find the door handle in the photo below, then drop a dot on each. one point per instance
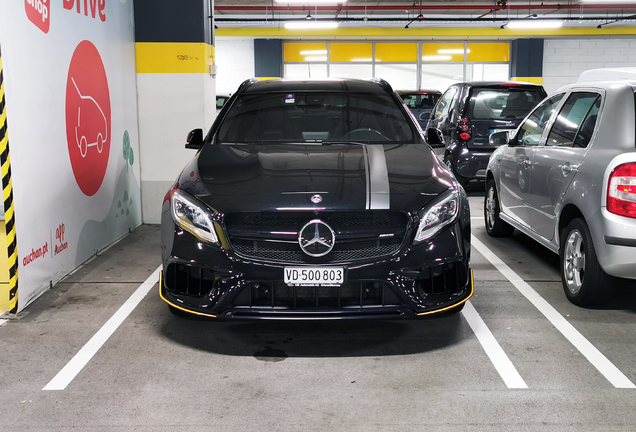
(567, 168)
(525, 162)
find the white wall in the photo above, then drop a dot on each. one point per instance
(565, 59)
(234, 62)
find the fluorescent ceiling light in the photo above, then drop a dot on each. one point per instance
(313, 52)
(311, 2)
(436, 58)
(534, 24)
(305, 25)
(361, 59)
(452, 51)
(316, 58)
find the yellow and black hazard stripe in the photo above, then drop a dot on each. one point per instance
(7, 187)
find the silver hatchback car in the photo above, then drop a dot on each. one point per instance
(567, 178)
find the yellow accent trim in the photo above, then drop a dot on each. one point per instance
(174, 305)
(533, 80)
(293, 51)
(472, 291)
(488, 52)
(347, 51)
(395, 52)
(416, 33)
(172, 57)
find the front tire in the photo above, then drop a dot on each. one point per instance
(495, 227)
(584, 281)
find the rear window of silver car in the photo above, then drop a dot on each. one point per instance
(505, 103)
(315, 116)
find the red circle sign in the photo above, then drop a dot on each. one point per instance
(88, 118)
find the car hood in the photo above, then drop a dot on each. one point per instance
(230, 178)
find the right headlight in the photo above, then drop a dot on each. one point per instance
(193, 217)
(442, 211)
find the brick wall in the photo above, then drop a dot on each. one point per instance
(234, 63)
(565, 59)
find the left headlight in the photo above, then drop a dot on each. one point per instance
(436, 215)
(193, 217)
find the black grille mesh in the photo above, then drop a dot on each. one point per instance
(291, 252)
(248, 234)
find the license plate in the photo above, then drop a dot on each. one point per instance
(321, 276)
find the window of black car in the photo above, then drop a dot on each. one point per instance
(574, 125)
(444, 103)
(505, 102)
(419, 100)
(531, 130)
(315, 117)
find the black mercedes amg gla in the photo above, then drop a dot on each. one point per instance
(314, 200)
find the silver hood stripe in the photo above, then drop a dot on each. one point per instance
(377, 173)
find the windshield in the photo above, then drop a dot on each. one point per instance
(315, 117)
(510, 103)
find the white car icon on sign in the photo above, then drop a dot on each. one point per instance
(91, 130)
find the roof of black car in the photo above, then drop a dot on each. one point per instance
(498, 83)
(327, 84)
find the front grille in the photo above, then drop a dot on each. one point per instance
(291, 252)
(273, 236)
(278, 295)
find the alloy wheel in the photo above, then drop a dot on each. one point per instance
(490, 207)
(574, 261)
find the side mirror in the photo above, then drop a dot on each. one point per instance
(499, 138)
(434, 137)
(195, 139)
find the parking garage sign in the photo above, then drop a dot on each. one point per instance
(88, 122)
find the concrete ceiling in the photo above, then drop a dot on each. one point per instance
(429, 13)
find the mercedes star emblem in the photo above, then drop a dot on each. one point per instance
(316, 238)
(316, 199)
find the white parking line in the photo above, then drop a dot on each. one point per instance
(497, 356)
(83, 356)
(594, 356)
(3, 322)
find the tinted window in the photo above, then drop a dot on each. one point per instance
(421, 100)
(443, 105)
(531, 130)
(312, 116)
(575, 123)
(502, 103)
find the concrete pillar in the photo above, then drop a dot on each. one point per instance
(526, 60)
(174, 43)
(268, 58)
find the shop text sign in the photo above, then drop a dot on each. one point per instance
(38, 12)
(91, 8)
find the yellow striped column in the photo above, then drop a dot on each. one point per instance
(7, 186)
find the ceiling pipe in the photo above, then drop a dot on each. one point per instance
(467, 8)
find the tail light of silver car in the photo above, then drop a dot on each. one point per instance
(621, 190)
(463, 127)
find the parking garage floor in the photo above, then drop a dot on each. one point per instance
(96, 353)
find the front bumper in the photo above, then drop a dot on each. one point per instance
(420, 280)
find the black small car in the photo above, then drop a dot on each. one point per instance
(420, 103)
(465, 116)
(314, 200)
